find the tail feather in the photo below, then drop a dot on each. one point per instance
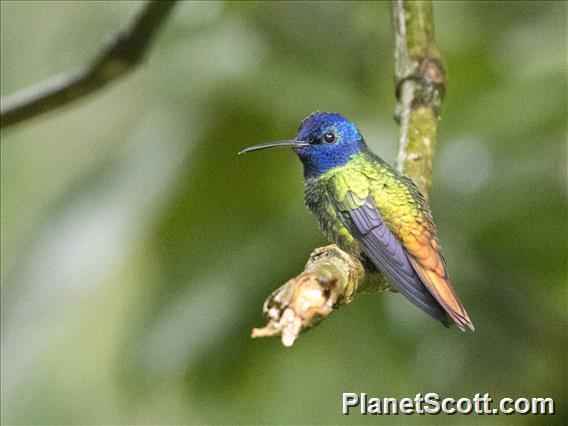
(442, 290)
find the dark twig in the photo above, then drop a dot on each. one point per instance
(122, 54)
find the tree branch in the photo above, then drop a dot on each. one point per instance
(419, 88)
(332, 277)
(125, 51)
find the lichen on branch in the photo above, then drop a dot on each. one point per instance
(420, 77)
(332, 277)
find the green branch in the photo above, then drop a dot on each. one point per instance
(332, 277)
(126, 50)
(420, 76)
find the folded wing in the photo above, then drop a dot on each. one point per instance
(386, 252)
(410, 258)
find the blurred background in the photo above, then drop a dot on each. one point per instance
(137, 248)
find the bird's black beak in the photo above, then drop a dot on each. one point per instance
(292, 143)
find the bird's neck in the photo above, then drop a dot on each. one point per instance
(324, 161)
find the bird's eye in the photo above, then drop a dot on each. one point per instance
(329, 137)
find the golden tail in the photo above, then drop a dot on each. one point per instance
(442, 290)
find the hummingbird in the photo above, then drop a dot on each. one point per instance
(373, 212)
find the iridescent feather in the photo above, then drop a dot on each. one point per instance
(370, 210)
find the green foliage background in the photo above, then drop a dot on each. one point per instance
(137, 248)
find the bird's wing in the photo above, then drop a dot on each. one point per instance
(360, 215)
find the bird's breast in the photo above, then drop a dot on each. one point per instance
(318, 200)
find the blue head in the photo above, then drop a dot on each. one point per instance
(324, 141)
(330, 140)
